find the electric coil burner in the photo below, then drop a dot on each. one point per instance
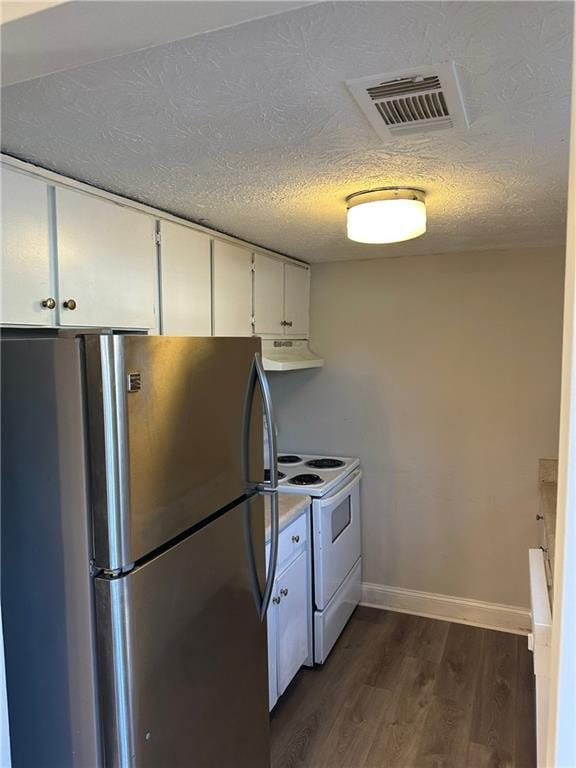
(289, 459)
(281, 475)
(325, 463)
(306, 479)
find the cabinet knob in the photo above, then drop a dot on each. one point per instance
(539, 517)
(275, 600)
(69, 304)
(284, 593)
(286, 323)
(49, 303)
(295, 539)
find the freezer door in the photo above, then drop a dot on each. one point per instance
(166, 437)
(182, 654)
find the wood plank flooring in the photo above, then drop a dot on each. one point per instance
(401, 691)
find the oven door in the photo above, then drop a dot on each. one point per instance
(337, 541)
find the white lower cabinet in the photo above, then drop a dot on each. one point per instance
(293, 610)
(290, 611)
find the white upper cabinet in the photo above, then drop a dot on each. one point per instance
(296, 301)
(26, 269)
(268, 295)
(232, 290)
(185, 281)
(107, 266)
(281, 298)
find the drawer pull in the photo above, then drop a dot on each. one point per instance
(295, 539)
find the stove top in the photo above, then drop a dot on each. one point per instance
(314, 475)
(306, 479)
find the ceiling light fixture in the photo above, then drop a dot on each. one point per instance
(386, 215)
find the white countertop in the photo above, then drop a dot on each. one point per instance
(290, 506)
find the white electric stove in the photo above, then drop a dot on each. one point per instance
(333, 482)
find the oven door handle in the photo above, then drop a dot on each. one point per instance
(337, 497)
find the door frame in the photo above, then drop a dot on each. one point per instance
(561, 751)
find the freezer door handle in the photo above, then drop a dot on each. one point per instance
(258, 376)
(262, 600)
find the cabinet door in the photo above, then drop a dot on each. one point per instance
(296, 300)
(185, 281)
(106, 263)
(268, 295)
(291, 587)
(26, 272)
(232, 290)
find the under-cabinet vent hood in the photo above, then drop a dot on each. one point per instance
(284, 355)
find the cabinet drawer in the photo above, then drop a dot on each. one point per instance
(292, 541)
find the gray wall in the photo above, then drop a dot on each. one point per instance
(443, 375)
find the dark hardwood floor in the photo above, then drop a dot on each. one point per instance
(401, 691)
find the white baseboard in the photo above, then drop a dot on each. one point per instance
(506, 618)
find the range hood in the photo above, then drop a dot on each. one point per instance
(288, 355)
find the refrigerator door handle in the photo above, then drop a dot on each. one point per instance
(274, 525)
(258, 376)
(254, 582)
(269, 488)
(262, 600)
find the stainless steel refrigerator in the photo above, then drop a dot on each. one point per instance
(134, 588)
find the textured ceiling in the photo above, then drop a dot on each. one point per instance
(46, 39)
(251, 130)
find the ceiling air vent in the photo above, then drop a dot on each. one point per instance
(411, 101)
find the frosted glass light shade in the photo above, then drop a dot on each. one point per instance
(386, 216)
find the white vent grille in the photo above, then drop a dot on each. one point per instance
(416, 101)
